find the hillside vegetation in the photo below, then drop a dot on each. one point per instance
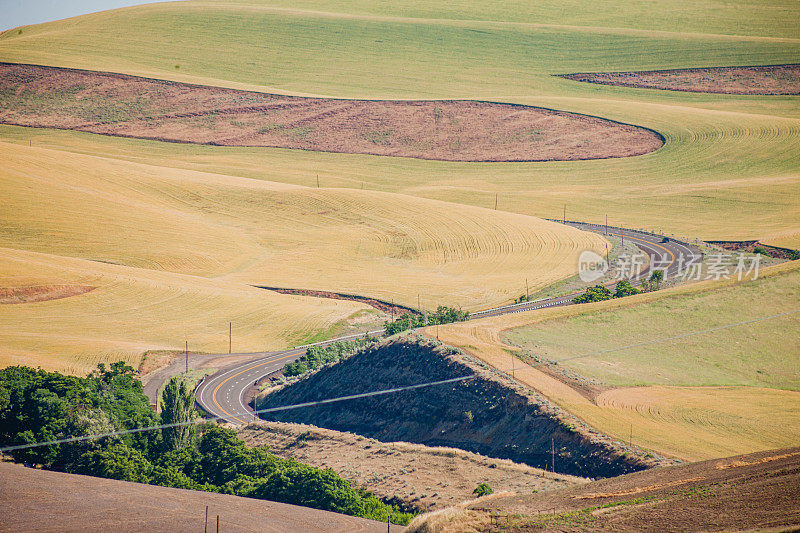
(728, 170)
(743, 411)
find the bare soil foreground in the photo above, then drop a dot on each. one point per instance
(39, 500)
(129, 106)
(749, 492)
(772, 79)
(421, 477)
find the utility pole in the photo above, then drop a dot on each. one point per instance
(217, 523)
(317, 181)
(205, 529)
(606, 224)
(230, 337)
(527, 292)
(495, 201)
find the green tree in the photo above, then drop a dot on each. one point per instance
(624, 288)
(177, 408)
(597, 293)
(117, 461)
(482, 490)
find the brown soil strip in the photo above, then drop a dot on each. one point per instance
(40, 293)
(750, 247)
(769, 80)
(738, 464)
(449, 130)
(386, 307)
(764, 493)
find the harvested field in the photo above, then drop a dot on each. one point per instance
(771, 79)
(422, 477)
(451, 130)
(39, 500)
(40, 293)
(752, 492)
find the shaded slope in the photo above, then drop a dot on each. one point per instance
(484, 415)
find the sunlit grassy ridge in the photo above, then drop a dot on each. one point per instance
(693, 421)
(762, 354)
(728, 170)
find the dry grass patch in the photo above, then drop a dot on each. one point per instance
(423, 477)
(40, 293)
(771, 79)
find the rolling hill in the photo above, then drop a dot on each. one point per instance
(711, 180)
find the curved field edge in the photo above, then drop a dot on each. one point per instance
(690, 423)
(744, 80)
(445, 130)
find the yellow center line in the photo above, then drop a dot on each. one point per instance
(214, 394)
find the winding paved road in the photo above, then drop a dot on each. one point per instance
(223, 394)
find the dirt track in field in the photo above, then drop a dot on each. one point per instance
(40, 293)
(450, 130)
(766, 80)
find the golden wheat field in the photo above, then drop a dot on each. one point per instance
(691, 422)
(388, 246)
(728, 169)
(176, 251)
(129, 310)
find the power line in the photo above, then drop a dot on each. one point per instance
(69, 440)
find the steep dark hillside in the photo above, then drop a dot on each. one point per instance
(487, 415)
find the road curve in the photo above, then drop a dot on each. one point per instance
(222, 394)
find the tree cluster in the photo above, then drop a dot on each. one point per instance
(442, 315)
(319, 356)
(38, 406)
(598, 293)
